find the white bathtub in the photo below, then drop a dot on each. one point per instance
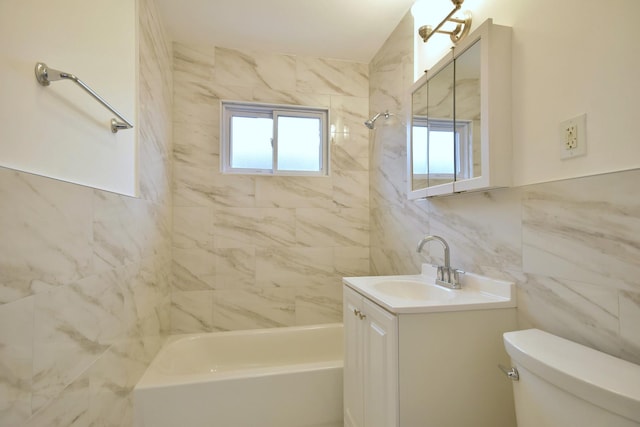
(280, 377)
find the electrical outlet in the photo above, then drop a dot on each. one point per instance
(573, 137)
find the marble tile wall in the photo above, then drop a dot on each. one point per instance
(84, 288)
(264, 251)
(572, 247)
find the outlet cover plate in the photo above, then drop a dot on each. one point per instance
(573, 137)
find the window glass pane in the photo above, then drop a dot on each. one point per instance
(251, 145)
(419, 144)
(299, 143)
(441, 152)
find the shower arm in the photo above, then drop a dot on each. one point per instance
(370, 123)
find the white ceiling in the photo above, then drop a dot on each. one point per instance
(341, 29)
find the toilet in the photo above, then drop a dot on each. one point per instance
(559, 383)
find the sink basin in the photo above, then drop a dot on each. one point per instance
(413, 289)
(418, 293)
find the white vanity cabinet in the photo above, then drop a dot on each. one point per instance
(429, 369)
(370, 363)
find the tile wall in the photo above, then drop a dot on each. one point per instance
(84, 289)
(572, 247)
(265, 251)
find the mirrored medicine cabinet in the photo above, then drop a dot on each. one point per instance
(459, 129)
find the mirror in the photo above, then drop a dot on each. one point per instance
(459, 128)
(440, 127)
(445, 141)
(468, 114)
(418, 162)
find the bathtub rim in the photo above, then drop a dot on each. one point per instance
(152, 378)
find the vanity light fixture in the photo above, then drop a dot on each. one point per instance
(463, 25)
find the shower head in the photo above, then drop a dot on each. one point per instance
(371, 122)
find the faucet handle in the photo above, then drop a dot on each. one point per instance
(455, 276)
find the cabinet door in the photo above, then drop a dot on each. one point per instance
(380, 367)
(353, 357)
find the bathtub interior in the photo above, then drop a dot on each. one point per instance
(264, 386)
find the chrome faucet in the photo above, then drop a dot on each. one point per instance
(446, 276)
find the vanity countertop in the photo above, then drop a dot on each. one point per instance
(419, 293)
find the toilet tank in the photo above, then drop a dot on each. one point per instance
(565, 384)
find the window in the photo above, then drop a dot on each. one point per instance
(436, 139)
(273, 139)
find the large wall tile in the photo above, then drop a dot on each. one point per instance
(189, 185)
(69, 409)
(584, 229)
(192, 268)
(46, 234)
(238, 227)
(192, 227)
(319, 304)
(294, 264)
(629, 321)
(235, 267)
(354, 144)
(351, 189)
(74, 325)
(328, 76)
(194, 63)
(16, 356)
(581, 312)
(348, 112)
(299, 192)
(482, 229)
(110, 379)
(272, 96)
(191, 311)
(255, 69)
(121, 229)
(351, 261)
(339, 227)
(254, 308)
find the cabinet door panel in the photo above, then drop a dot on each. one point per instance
(380, 367)
(468, 114)
(353, 370)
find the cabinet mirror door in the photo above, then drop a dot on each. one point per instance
(441, 128)
(418, 141)
(468, 115)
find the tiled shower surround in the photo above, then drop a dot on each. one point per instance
(84, 288)
(265, 251)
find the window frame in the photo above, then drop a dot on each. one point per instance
(463, 156)
(230, 109)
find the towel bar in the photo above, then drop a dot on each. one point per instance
(46, 75)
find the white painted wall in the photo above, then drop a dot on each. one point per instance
(569, 57)
(59, 131)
